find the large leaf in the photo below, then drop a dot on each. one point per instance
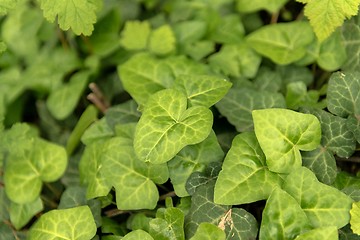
(73, 224)
(282, 134)
(283, 43)
(244, 177)
(166, 126)
(282, 217)
(133, 179)
(238, 104)
(168, 227)
(326, 15)
(323, 205)
(25, 171)
(79, 15)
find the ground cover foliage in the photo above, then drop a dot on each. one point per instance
(203, 119)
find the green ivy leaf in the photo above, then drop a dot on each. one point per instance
(203, 90)
(238, 104)
(4, 205)
(283, 43)
(138, 234)
(73, 224)
(244, 177)
(122, 113)
(7, 5)
(21, 214)
(271, 6)
(298, 96)
(323, 205)
(278, 217)
(133, 179)
(282, 133)
(319, 11)
(355, 217)
(162, 40)
(230, 30)
(330, 233)
(350, 34)
(166, 126)
(268, 80)
(208, 231)
(135, 35)
(169, 226)
(193, 158)
(25, 171)
(98, 130)
(189, 31)
(64, 100)
(80, 17)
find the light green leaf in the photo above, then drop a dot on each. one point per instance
(343, 95)
(4, 205)
(238, 104)
(253, 6)
(319, 12)
(133, 179)
(25, 171)
(170, 227)
(329, 233)
(323, 205)
(193, 158)
(282, 217)
(135, 35)
(283, 43)
(297, 96)
(79, 15)
(199, 50)
(282, 133)
(230, 30)
(63, 101)
(202, 90)
(7, 5)
(162, 40)
(21, 214)
(355, 217)
(138, 221)
(189, 31)
(244, 177)
(98, 130)
(166, 126)
(137, 234)
(208, 231)
(73, 224)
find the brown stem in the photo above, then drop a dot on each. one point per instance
(274, 17)
(169, 194)
(98, 98)
(115, 212)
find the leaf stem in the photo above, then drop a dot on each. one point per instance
(115, 212)
(169, 194)
(98, 98)
(274, 17)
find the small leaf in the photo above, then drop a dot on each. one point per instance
(329, 233)
(135, 35)
(230, 30)
(166, 126)
(123, 113)
(73, 224)
(21, 214)
(80, 17)
(208, 231)
(282, 133)
(253, 6)
(171, 226)
(137, 234)
(239, 224)
(278, 218)
(162, 40)
(238, 104)
(283, 43)
(323, 205)
(355, 217)
(7, 5)
(203, 90)
(98, 130)
(244, 177)
(350, 35)
(298, 96)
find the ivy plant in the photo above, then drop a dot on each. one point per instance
(174, 120)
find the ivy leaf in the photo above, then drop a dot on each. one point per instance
(122, 113)
(239, 224)
(350, 34)
(169, 226)
(189, 31)
(298, 96)
(7, 5)
(330, 233)
(230, 30)
(166, 126)
(244, 177)
(133, 179)
(135, 35)
(137, 234)
(202, 90)
(278, 217)
(282, 133)
(271, 6)
(79, 15)
(162, 40)
(193, 158)
(4, 205)
(97, 131)
(63, 101)
(238, 104)
(208, 231)
(318, 13)
(73, 224)
(283, 43)
(323, 205)
(21, 214)
(25, 171)
(355, 217)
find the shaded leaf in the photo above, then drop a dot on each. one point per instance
(271, 6)
(170, 226)
(21, 214)
(350, 34)
(239, 224)
(123, 113)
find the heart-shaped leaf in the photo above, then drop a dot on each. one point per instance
(166, 126)
(244, 177)
(323, 205)
(282, 133)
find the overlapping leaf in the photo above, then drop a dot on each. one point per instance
(355, 217)
(123, 113)
(351, 35)
(166, 126)
(169, 226)
(21, 214)
(244, 177)
(330, 233)
(271, 6)
(162, 40)
(135, 35)
(7, 5)
(282, 134)
(208, 231)
(137, 234)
